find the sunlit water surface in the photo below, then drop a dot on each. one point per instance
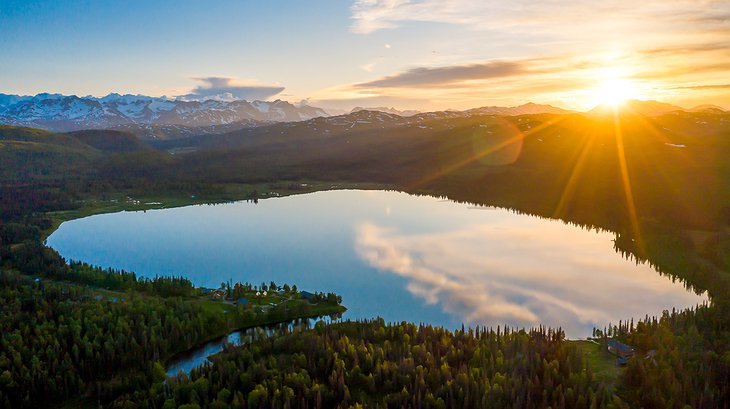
(389, 254)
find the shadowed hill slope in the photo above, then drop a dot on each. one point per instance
(109, 141)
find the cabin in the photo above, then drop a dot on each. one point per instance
(622, 351)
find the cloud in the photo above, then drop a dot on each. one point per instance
(222, 88)
(372, 15)
(710, 86)
(434, 286)
(437, 76)
(662, 44)
(345, 104)
(478, 274)
(687, 49)
(369, 67)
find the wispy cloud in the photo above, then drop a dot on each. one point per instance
(223, 88)
(691, 48)
(369, 67)
(555, 51)
(469, 85)
(373, 15)
(423, 76)
(709, 86)
(349, 101)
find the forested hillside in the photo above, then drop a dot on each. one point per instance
(78, 333)
(634, 175)
(372, 364)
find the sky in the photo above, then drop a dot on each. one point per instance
(408, 54)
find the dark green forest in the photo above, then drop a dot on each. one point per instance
(78, 333)
(668, 206)
(373, 364)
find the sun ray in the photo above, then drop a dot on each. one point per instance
(626, 183)
(575, 173)
(614, 90)
(649, 128)
(457, 165)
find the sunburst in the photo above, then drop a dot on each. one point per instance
(614, 92)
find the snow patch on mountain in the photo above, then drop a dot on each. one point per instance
(57, 112)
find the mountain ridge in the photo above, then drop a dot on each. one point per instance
(161, 118)
(65, 113)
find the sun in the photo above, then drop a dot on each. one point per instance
(614, 92)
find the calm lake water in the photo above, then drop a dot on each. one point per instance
(186, 361)
(389, 254)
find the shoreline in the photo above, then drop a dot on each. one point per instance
(217, 338)
(127, 200)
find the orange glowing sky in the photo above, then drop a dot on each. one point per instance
(418, 54)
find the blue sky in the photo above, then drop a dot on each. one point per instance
(423, 54)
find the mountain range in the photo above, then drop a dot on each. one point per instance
(141, 114)
(161, 118)
(391, 110)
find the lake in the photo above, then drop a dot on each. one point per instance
(390, 254)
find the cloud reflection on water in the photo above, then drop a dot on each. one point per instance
(542, 273)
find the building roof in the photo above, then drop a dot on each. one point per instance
(620, 348)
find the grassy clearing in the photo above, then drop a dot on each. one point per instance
(215, 307)
(601, 362)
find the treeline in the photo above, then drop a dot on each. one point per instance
(120, 280)
(60, 338)
(237, 290)
(79, 332)
(22, 202)
(373, 364)
(681, 361)
(32, 257)
(58, 342)
(691, 366)
(684, 360)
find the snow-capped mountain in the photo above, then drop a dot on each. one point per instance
(57, 112)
